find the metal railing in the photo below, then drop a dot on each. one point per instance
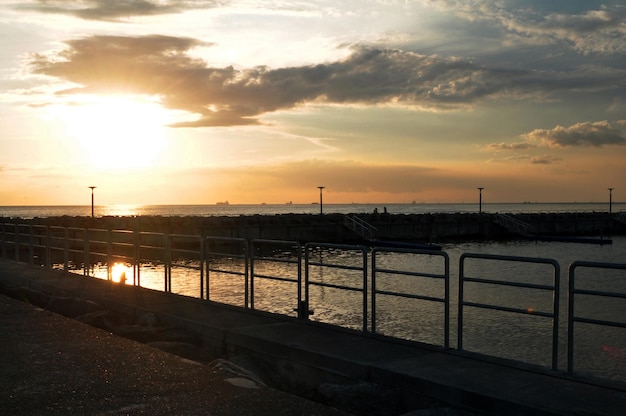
(514, 225)
(350, 285)
(575, 293)
(359, 226)
(330, 267)
(553, 289)
(290, 256)
(445, 276)
(237, 251)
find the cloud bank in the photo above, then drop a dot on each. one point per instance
(599, 28)
(112, 10)
(594, 134)
(160, 65)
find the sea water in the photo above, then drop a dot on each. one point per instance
(273, 209)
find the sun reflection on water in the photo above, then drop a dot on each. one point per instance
(120, 273)
(121, 210)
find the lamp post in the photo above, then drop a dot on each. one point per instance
(321, 201)
(480, 200)
(92, 188)
(610, 201)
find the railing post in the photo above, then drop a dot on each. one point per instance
(459, 331)
(4, 237)
(365, 289)
(31, 245)
(66, 248)
(250, 287)
(168, 262)
(109, 254)
(201, 268)
(86, 265)
(570, 319)
(48, 248)
(207, 248)
(555, 313)
(16, 244)
(136, 257)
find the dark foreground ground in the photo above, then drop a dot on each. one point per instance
(52, 365)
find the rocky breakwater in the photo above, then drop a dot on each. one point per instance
(430, 227)
(146, 327)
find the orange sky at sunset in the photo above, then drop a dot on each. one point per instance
(193, 102)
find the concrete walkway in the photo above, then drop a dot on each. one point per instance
(52, 365)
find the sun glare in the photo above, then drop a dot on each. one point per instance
(120, 273)
(117, 132)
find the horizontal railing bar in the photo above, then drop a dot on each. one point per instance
(353, 289)
(409, 296)
(508, 309)
(228, 255)
(509, 258)
(226, 271)
(268, 277)
(336, 266)
(505, 283)
(408, 273)
(599, 293)
(276, 260)
(599, 322)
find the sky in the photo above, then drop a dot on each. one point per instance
(259, 101)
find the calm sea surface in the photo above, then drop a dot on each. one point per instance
(270, 209)
(599, 351)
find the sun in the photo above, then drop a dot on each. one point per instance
(117, 132)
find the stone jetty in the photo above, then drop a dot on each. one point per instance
(423, 228)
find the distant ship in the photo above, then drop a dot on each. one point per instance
(288, 203)
(222, 203)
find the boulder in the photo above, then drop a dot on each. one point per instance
(72, 307)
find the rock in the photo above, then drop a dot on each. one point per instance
(106, 320)
(147, 319)
(28, 295)
(143, 334)
(184, 350)
(236, 373)
(361, 398)
(178, 335)
(72, 307)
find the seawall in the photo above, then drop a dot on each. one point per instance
(431, 228)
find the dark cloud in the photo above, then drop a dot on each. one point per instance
(587, 27)
(544, 160)
(511, 146)
(160, 65)
(595, 134)
(116, 9)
